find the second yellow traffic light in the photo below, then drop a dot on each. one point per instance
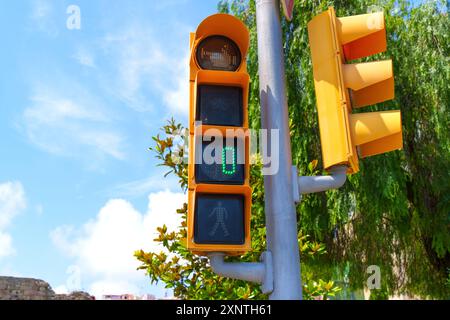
(341, 87)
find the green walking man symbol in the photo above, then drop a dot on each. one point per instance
(221, 215)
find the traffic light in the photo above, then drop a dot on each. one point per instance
(340, 87)
(219, 194)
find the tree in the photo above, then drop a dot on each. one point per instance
(394, 212)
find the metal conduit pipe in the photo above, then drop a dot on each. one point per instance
(258, 272)
(312, 184)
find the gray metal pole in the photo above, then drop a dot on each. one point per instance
(281, 220)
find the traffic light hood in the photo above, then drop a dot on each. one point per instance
(362, 35)
(223, 25)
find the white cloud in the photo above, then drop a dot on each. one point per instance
(62, 289)
(133, 57)
(62, 236)
(148, 69)
(71, 123)
(12, 203)
(177, 99)
(103, 248)
(42, 17)
(39, 209)
(141, 187)
(84, 57)
(6, 248)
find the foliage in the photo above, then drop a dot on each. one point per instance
(171, 153)
(379, 294)
(395, 212)
(189, 275)
(448, 278)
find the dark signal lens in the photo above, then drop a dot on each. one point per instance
(219, 219)
(218, 53)
(219, 105)
(222, 163)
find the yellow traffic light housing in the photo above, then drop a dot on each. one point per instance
(341, 87)
(219, 199)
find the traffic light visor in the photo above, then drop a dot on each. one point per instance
(371, 82)
(225, 25)
(362, 35)
(376, 132)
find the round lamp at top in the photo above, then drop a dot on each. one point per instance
(218, 53)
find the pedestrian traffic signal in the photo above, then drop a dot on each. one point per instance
(212, 214)
(341, 87)
(219, 198)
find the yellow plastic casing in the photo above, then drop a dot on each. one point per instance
(232, 28)
(340, 87)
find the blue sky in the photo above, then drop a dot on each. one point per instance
(79, 190)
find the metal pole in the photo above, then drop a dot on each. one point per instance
(281, 220)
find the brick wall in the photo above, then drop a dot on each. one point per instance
(12, 288)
